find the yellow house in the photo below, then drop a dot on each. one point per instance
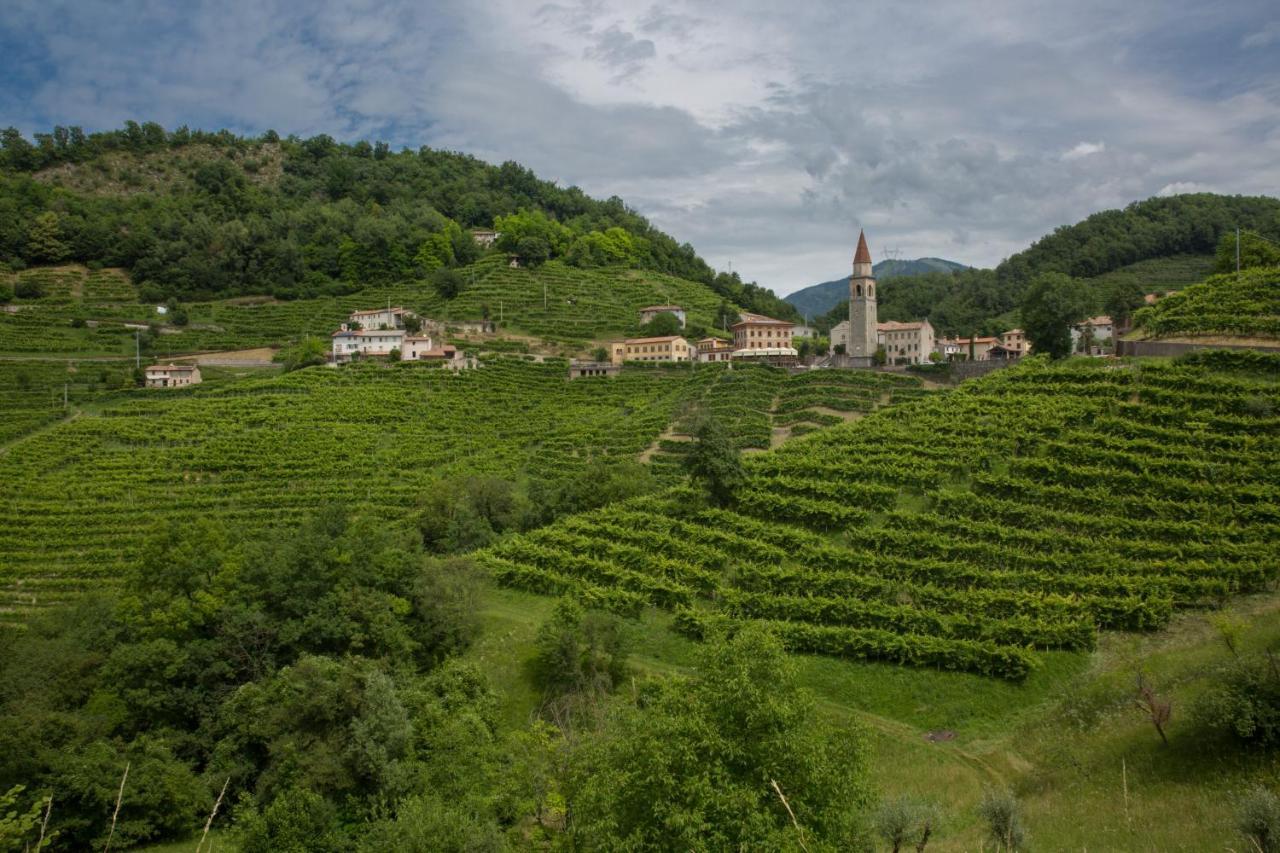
(668, 348)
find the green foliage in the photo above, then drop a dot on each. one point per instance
(19, 827)
(44, 243)
(580, 652)
(1247, 304)
(308, 352)
(661, 325)
(1002, 813)
(447, 283)
(1243, 702)
(1258, 817)
(904, 821)
(299, 821)
(714, 462)
(469, 513)
(1254, 251)
(1051, 306)
(704, 764)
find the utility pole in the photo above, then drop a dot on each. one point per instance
(137, 350)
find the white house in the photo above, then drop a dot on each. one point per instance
(380, 318)
(349, 342)
(172, 375)
(1101, 329)
(415, 347)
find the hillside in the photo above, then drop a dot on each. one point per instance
(1243, 305)
(1156, 245)
(818, 299)
(970, 531)
(203, 216)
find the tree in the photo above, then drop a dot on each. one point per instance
(715, 462)
(1003, 814)
(600, 354)
(1157, 708)
(580, 652)
(731, 759)
(533, 251)
(662, 324)
(44, 242)
(308, 352)
(1126, 298)
(903, 820)
(1255, 251)
(1051, 306)
(448, 283)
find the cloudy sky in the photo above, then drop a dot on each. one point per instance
(765, 135)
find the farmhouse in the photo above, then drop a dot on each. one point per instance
(172, 375)
(484, 237)
(1015, 342)
(415, 347)
(380, 318)
(981, 347)
(349, 343)
(648, 312)
(667, 348)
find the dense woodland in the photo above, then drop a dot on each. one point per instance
(984, 301)
(199, 215)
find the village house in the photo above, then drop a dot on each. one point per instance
(447, 355)
(650, 311)
(172, 375)
(484, 237)
(800, 330)
(415, 347)
(380, 318)
(1100, 330)
(949, 349)
(713, 350)
(1015, 342)
(905, 343)
(756, 331)
(961, 346)
(349, 343)
(666, 348)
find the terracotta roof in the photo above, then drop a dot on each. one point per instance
(1100, 320)
(662, 340)
(662, 308)
(863, 255)
(367, 333)
(446, 351)
(749, 319)
(895, 326)
(965, 341)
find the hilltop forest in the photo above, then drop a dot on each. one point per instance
(197, 215)
(1154, 245)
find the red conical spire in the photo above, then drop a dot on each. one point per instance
(863, 255)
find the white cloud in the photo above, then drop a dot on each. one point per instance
(1268, 35)
(1084, 149)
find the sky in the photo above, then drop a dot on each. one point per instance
(763, 133)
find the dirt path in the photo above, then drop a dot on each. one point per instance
(668, 434)
(4, 448)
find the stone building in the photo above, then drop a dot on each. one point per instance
(172, 375)
(863, 336)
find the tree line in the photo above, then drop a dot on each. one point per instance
(336, 218)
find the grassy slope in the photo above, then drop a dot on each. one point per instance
(580, 305)
(1059, 740)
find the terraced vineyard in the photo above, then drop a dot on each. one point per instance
(83, 495)
(32, 393)
(969, 530)
(1246, 305)
(581, 305)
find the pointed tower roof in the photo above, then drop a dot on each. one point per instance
(863, 255)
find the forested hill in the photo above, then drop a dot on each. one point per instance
(1157, 244)
(820, 298)
(198, 215)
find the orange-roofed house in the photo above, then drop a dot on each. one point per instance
(665, 348)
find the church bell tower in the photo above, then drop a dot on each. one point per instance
(862, 308)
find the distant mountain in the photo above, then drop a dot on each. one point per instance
(818, 299)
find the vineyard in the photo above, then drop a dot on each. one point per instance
(80, 311)
(1245, 305)
(965, 531)
(83, 495)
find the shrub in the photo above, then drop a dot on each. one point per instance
(1243, 703)
(1258, 816)
(1002, 813)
